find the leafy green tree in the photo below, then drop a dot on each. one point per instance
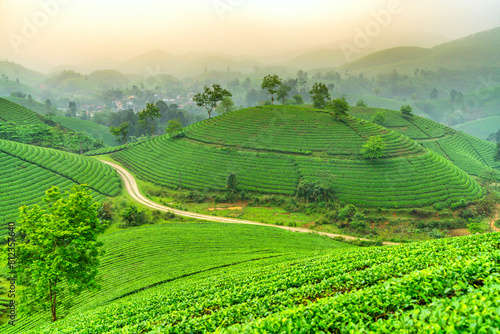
(272, 83)
(121, 132)
(320, 95)
(133, 217)
(283, 93)
(361, 103)
(174, 127)
(379, 117)
(48, 104)
(57, 258)
(298, 99)
(71, 109)
(231, 183)
(407, 110)
(434, 94)
(374, 148)
(226, 105)
(339, 107)
(148, 115)
(210, 98)
(252, 97)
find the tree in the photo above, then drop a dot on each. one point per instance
(71, 109)
(340, 107)
(174, 127)
(298, 99)
(434, 94)
(272, 83)
(210, 97)
(320, 95)
(373, 148)
(474, 226)
(58, 256)
(225, 106)
(361, 103)
(231, 183)
(148, 115)
(121, 132)
(302, 78)
(407, 111)
(379, 117)
(453, 95)
(283, 93)
(48, 104)
(252, 97)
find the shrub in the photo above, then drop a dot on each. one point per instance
(460, 204)
(133, 217)
(346, 212)
(315, 192)
(439, 206)
(361, 103)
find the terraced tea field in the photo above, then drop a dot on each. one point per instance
(448, 285)
(94, 130)
(271, 149)
(13, 113)
(27, 171)
(473, 155)
(156, 255)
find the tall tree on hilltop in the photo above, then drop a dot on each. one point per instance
(320, 95)
(272, 83)
(339, 107)
(210, 98)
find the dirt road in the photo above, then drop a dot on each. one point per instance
(133, 190)
(494, 219)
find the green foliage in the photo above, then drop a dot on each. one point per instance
(406, 110)
(474, 226)
(174, 128)
(339, 107)
(225, 106)
(272, 83)
(399, 289)
(346, 213)
(283, 93)
(148, 115)
(231, 183)
(299, 100)
(211, 97)
(120, 132)
(320, 95)
(460, 204)
(315, 191)
(374, 148)
(58, 256)
(379, 117)
(361, 103)
(133, 217)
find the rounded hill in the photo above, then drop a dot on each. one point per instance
(271, 149)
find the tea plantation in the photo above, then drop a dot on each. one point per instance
(271, 149)
(158, 255)
(473, 155)
(16, 114)
(28, 171)
(443, 286)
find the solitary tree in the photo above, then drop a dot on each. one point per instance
(283, 93)
(210, 97)
(434, 94)
(407, 111)
(361, 103)
(231, 183)
(48, 104)
(272, 83)
(339, 107)
(374, 148)
(57, 258)
(121, 132)
(379, 117)
(148, 115)
(320, 95)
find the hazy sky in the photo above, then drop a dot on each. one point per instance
(75, 31)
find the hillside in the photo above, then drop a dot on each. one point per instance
(471, 52)
(94, 130)
(15, 114)
(480, 128)
(402, 289)
(271, 149)
(35, 106)
(135, 259)
(471, 154)
(28, 171)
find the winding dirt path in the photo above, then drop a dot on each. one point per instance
(133, 190)
(494, 219)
